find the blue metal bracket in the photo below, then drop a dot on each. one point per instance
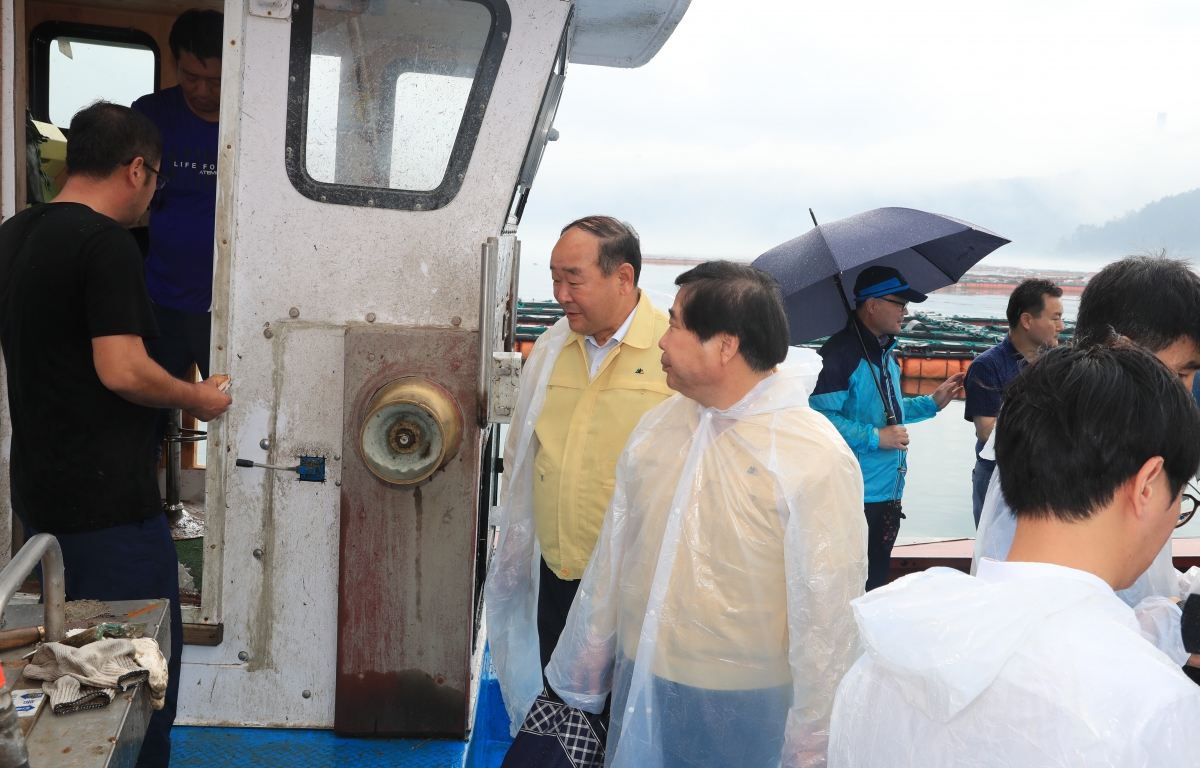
(312, 469)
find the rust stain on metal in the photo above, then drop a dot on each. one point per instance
(405, 600)
(408, 702)
(418, 516)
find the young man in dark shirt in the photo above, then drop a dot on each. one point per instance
(82, 391)
(179, 267)
(1035, 311)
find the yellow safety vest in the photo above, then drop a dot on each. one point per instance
(583, 429)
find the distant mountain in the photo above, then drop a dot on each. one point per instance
(1172, 223)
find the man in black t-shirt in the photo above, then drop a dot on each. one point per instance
(82, 392)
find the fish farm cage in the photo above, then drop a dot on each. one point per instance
(930, 345)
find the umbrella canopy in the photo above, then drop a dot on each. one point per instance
(930, 250)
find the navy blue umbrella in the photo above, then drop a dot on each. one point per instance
(817, 270)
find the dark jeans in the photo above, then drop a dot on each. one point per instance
(980, 477)
(883, 525)
(703, 728)
(131, 562)
(554, 603)
(184, 338)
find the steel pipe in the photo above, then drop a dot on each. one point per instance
(489, 264)
(42, 547)
(174, 462)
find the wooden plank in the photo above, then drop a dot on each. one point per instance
(203, 634)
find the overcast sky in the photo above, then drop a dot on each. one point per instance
(1027, 117)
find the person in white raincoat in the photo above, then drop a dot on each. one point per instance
(1035, 661)
(715, 609)
(586, 384)
(1154, 302)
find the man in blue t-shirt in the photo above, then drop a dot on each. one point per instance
(1034, 313)
(179, 268)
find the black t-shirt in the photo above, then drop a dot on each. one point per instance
(82, 457)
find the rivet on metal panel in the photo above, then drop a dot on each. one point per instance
(269, 333)
(265, 443)
(456, 321)
(417, 207)
(293, 312)
(258, 553)
(306, 694)
(322, 198)
(243, 656)
(370, 202)
(370, 317)
(292, 78)
(338, 483)
(337, 457)
(233, 42)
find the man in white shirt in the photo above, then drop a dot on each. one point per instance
(1154, 302)
(1035, 660)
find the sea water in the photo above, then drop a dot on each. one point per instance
(941, 456)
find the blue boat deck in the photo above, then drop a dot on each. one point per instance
(193, 747)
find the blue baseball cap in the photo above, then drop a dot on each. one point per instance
(876, 282)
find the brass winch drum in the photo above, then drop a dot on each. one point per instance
(413, 428)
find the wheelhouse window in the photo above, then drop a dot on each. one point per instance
(386, 98)
(72, 65)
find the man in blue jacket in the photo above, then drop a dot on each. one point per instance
(848, 393)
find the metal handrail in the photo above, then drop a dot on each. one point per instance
(489, 264)
(54, 592)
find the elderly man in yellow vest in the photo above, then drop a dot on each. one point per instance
(584, 388)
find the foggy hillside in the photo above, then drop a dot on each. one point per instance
(1172, 223)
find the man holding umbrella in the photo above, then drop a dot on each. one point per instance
(859, 391)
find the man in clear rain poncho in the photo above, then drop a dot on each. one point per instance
(586, 384)
(1154, 302)
(1035, 660)
(715, 609)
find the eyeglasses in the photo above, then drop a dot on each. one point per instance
(160, 180)
(902, 304)
(1191, 501)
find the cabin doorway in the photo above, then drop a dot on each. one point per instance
(69, 55)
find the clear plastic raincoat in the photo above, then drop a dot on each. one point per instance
(1038, 666)
(511, 592)
(733, 545)
(1149, 596)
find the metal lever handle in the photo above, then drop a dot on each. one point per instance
(248, 463)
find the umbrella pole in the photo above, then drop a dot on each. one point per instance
(887, 409)
(837, 278)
